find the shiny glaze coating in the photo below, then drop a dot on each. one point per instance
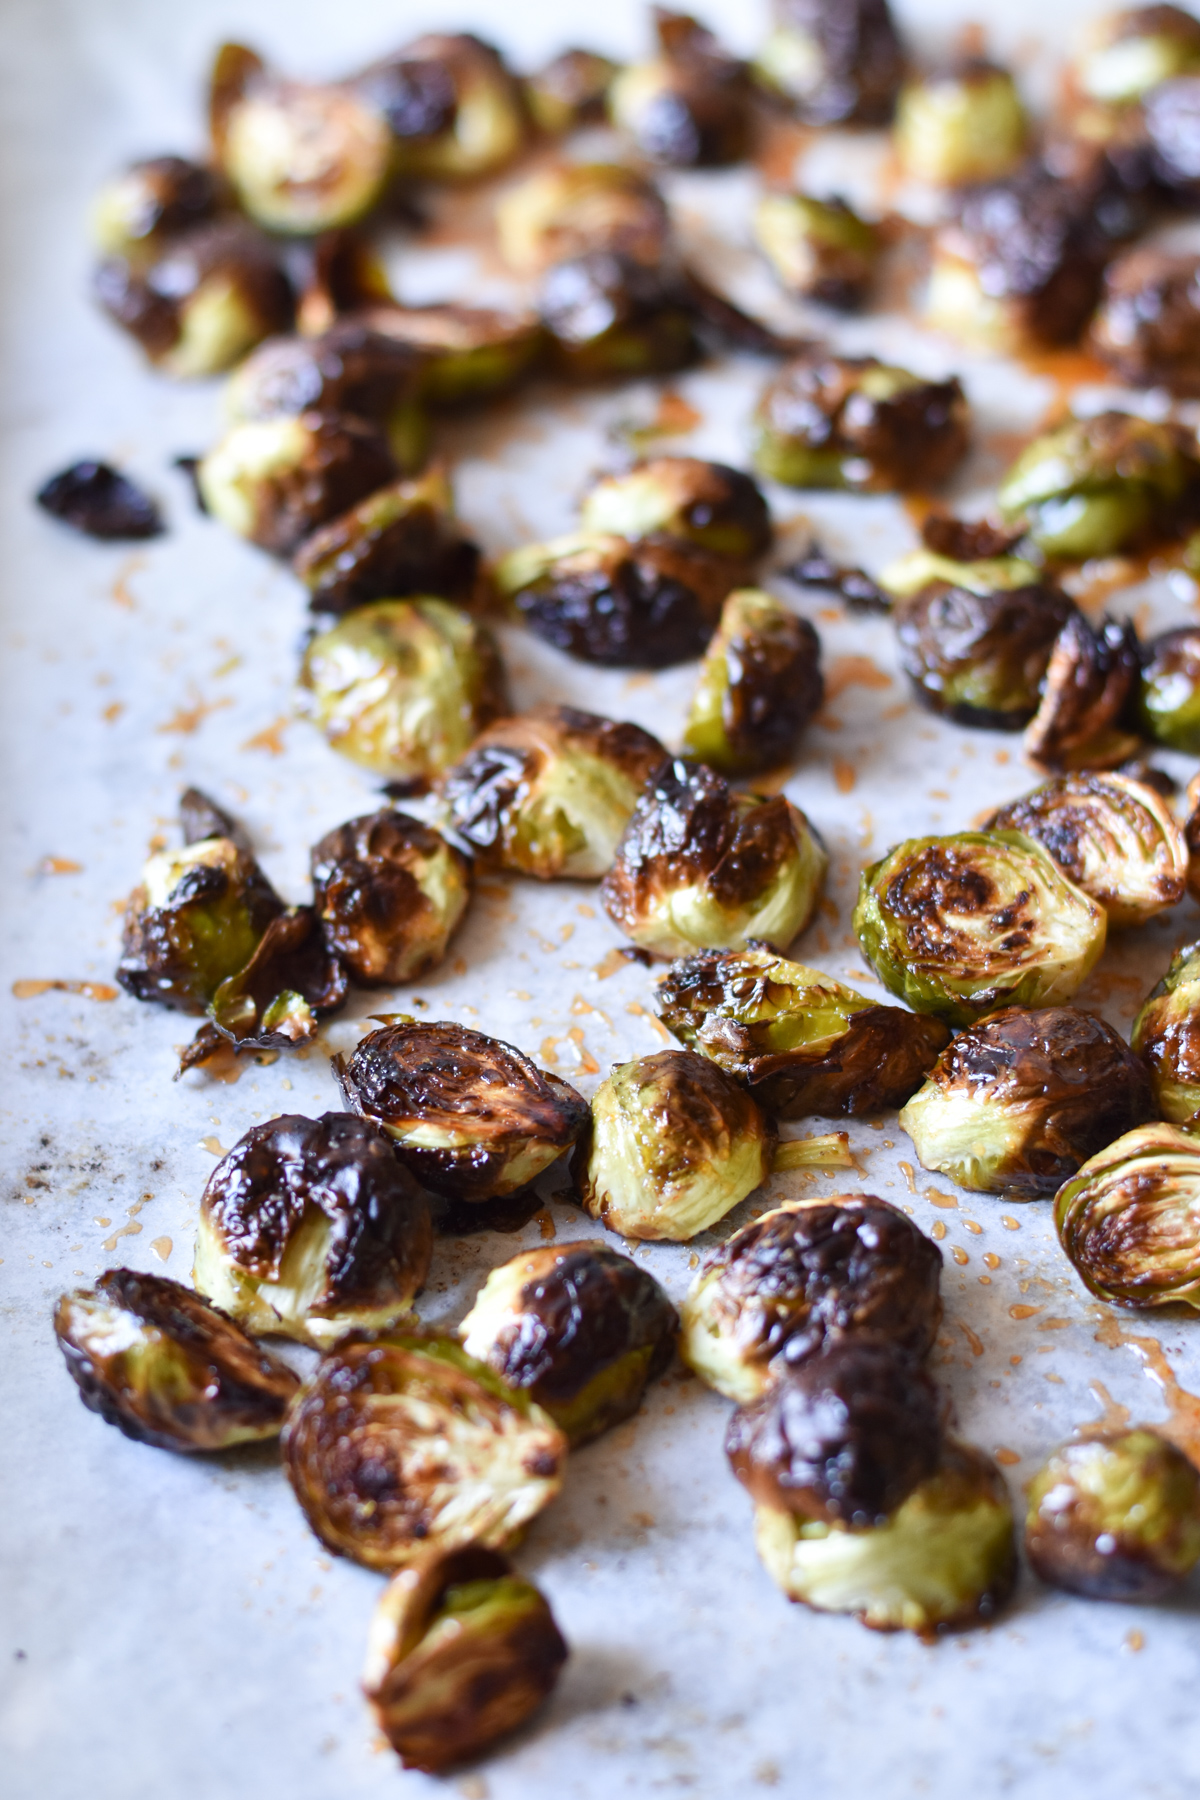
(980, 658)
(389, 892)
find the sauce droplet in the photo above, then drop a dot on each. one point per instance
(1023, 1312)
(214, 1146)
(1007, 1457)
(936, 1197)
(91, 990)
(162, 1247)
(960, 1256)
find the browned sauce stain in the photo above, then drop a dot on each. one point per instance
(58, 865)
(1009, 1458)
(130, 1229)
(1115, 1417)
(187, 719)
(91, 990)
(640, 1012)
(919, 507)
(972, 1338)
(1182, 1424)
(162, 1247)
(853, 671)
(120, 587)
(1023, 1312)
(587, 1061)
(270, 738)
(781, 145)
(112, 712)
(492, 890)
(845, 775)
(1096, 582)
(1069, 369)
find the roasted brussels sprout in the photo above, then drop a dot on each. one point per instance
(200, 299)
(1171, 117)
(1090, 681)
(1166, 1035)
(98, 500)
(1130, 1220)
(153, 200)
(1115, 1516)
(1095, 486)
(311, 1228)
(550, 793)
(569, 90)
(469, 1115)
(582, 1329)
(1018, 1102)
(836, 61)
(962, 926)
(760, 684)
(976, 636)
(1148, 327)
(819, 249)
(611, 315)
(843, 1436)
(673, 1145)
(339, 272)
(961, 124)
(703, 868)
(706, 505)
(573, 209)
(461, 1651)
(1115, 838)
(402, 686)
(390, 894)
(802, 1042)
(195, 919)
(606, 600)
(275, 481)
(944, 1560)
(809, 1273)
(402, 1444)
(166, 1368)
(453, 108)
(690, 105)
(1168, 704)
(291, 980)
(1127, 53)
(402, 539)
(465, 353)
(854, 422)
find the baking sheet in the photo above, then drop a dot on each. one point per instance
(170, 1627)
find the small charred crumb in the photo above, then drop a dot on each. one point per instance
(1129, 1222)
(760, 684)
(1091, 678)
(1115, 1516)
(980, 657)
(806, 1274)
(1168, 704)
(402, 1443)
(570, 90)
(390, 892)
(858, 589)
(579, 1327)
(311, 1228)
(461, 1652)
(292, 980)
(1148, 325)
(401, 540)
(688, 108)
(1017, 1103)
(705, 505)
(835, 61)
(98, 500)
(470, 1116)
(1166, 1035)
(968, 540)
(194, 921)
(168, 1369)
(845, 1435)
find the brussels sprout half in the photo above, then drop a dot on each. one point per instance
(401, 1444)
(690, 106)
(760, 684)
(390, 893)
(673, 1145)
(1113, 837)
(469, 1115)
(166, 1368)
(612, 316)
(961, 124)
(701, 867)
(276, 480)
(461, 1651)
(943, 1561)
(402, 686)
(152, 200)
(465, 354)
(1168, 703)
(807, 1273)
(1090, 680)
(569, 90)
(1019, 1101)
(1130, 1220)
(310, 1228)
(705, 504)
(550, 793)
(1147, 327)
(1127, 53)
(402, 539)
(802, 1042)
(961, 926)
(819, 249)
(573, 209)
(453, 107)
(1115, 1516)
(1166, 1035)
(835, 61)
(581, 1328)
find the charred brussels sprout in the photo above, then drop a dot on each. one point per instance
(1130, 52)
(701, 867)
(152, 200)
(706, 505)
(311, 1228)
(402, 539)
(1115, 838)
(760, 684)
(802, 1042)
(944, 1560)
(290, 981)
(569, 90)
(575, 209)
(808, 1273)
(836, 61)
(819, 249)
(1115, 1516)
(1166, 1035)
(461, 1651)
(1148, 326)
(674, 1144)
(1018, 1102)
(465, 354)
(96, 499)
(1130, 1220)
(550, 793)
(606, 600)
(454, 110)
(853, 422)
(688, 107)
(1096, 486)
(962, 926)
(1168, 704)
(402, 686)
(403, 1444)
(470, 1116)
(276, 480)
(198, 300)
(1091, 679)
(961, 124)
(844, 1436)
(612, 316)
(580, 1328)
(166, 1368)
(390, 894)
